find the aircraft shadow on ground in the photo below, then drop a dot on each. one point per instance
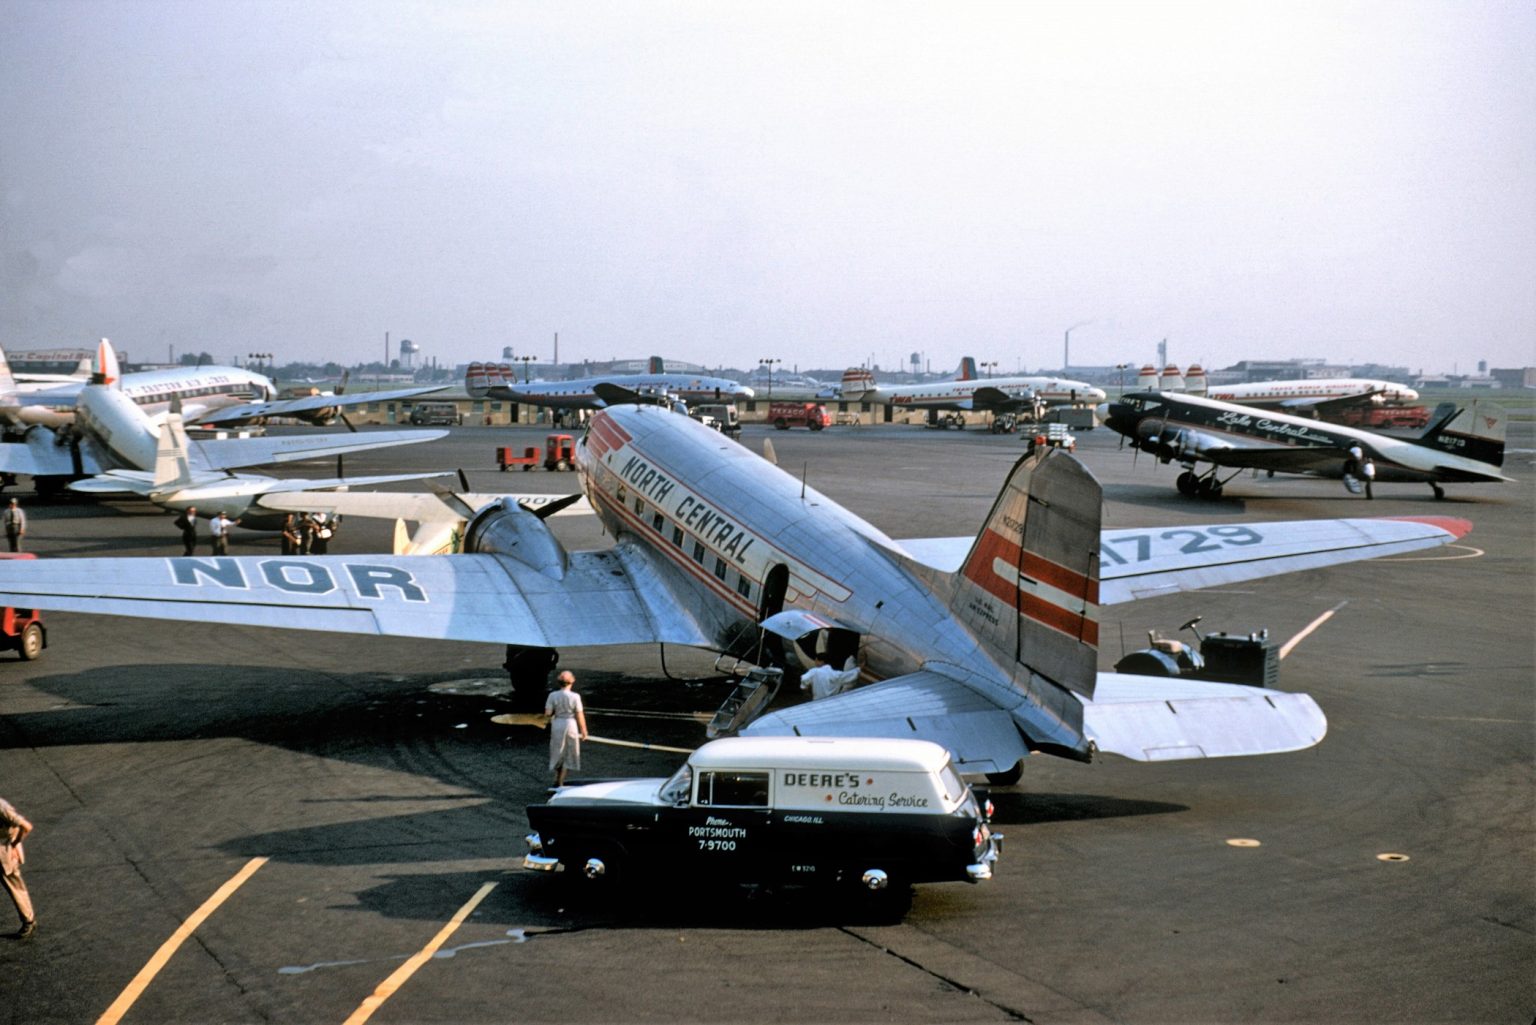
(1028, 808)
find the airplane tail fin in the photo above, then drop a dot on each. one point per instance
(7, 379)
(657, 365)
(1194, 380)
(967, 370)
(1029, 589)
(1475, 430)
(477, 380)
(1170, 379)
(171, 467)
(856, 382)
(1146, 378)
(104, 368)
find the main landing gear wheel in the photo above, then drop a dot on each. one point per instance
(1209, 487)
(1188, 484)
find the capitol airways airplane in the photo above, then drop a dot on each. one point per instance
(499, 381)
(995, 658)
(120, 448)
(211, 395)
(967, 392)
(1463, 444)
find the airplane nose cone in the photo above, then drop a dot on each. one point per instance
(1102, 412)
(745, 392)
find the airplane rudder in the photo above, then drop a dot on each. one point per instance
(967, 371)
(1029, 588)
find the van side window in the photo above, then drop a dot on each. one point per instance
(734, 789)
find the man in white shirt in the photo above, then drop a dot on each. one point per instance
(824, 681)
(220, 530)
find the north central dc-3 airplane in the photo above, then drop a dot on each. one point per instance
(994, 659)
(1461, 445)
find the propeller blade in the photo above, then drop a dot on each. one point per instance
(463, 481)
(344, 420)
(768, 452)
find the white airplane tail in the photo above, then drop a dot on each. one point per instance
(172, 470)
(7, 379)
(857, 381)
(1170, 379)
(1146, 378)
(1194, 380)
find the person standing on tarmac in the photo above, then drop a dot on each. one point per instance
(13, 829)
(567, 727)
(15, 525)
(219, 528)
(187, 522)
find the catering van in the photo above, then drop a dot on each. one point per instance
(853, 812)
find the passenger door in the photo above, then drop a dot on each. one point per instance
(725, 831)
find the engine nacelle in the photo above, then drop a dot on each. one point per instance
(506, 528)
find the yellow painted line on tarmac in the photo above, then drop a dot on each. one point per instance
(147, 974)
(1468, 550)
(1285, 649)
(402, 974)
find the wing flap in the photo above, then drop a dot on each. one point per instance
(1152, 719)
(923, 705)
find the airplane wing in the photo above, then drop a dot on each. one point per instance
(42, 455)
(233, 453)
(1143, 562)
(996, 400)
(1278, 458)
(604, 597)
(1323, 404)
(306, 404)
(414, 506)
(1138, 717)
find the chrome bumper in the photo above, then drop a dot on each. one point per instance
(982, 869)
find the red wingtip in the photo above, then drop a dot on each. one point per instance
(1452, 525)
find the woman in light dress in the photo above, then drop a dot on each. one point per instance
(567, 727)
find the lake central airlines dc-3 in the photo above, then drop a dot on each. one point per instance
(1463, 445)
(990, 652)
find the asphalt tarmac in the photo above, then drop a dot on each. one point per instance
(313, 812)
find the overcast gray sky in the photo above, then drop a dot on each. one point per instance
(824, 183)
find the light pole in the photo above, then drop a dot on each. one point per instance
(769, 364)
(1121, 367)
(989, 366)
(258, 357)
(525, 361)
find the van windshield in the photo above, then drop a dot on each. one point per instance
(679, 788)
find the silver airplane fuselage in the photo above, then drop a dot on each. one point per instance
(757, 524)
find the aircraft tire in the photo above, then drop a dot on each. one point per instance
(1188, 484)
(1210, 488)
(780, 424)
